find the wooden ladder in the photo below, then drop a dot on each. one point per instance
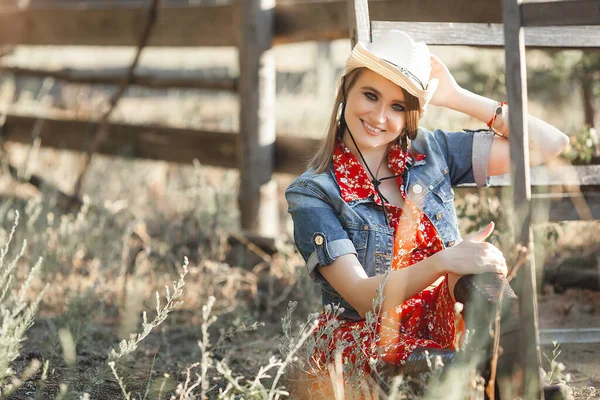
(559, 24)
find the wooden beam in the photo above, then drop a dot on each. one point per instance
(117, 24)
(96, 25)
(219, 149)
(115, 76)
(327, 20)
(561, 13)
(564, 175)
(359, 23)
(258, 196)
(152, 142)
(529, 384)
(583, 206)
(492, 35)
(554, 207)
(80, 23)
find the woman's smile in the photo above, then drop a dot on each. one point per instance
(370, 129)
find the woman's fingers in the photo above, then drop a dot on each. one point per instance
(474, 257)
(482, 234)
(497, 264)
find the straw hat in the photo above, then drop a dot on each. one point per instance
(395, 56)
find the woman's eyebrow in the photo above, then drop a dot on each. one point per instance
(377, 92)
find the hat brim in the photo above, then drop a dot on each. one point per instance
(361, 57)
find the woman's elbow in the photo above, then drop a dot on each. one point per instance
(562, 142)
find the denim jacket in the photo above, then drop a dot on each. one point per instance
(326, 227)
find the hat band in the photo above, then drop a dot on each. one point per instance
(407, 73)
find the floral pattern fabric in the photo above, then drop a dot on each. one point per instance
(425, 320)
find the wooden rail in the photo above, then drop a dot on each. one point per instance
(492, 35)
(118, 24)
(179, 145)
(221, 149)
(561, 13)
(150, 79)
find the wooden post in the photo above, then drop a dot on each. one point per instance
(359, 22)
(516, 86)
(258, 192)
(325, 73)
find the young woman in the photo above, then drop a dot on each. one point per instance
(377, 197)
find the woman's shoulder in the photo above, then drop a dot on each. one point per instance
(438, 140)
(311, 177)
(427, 141)
(322, 183)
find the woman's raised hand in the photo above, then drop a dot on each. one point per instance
(474, 256)
(447, 87)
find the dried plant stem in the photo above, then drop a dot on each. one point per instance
(121, 384)
(522, 257)
(207, 321)
(496, 348)
(273, 392)
(185, 391)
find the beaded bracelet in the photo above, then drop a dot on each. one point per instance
(497, 112)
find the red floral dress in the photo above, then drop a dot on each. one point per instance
(425, 320)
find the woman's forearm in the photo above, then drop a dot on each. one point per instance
(404, 283)
(545, 141)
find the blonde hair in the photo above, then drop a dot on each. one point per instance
(322, 158)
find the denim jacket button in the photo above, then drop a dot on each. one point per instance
(439, 216)
(417, 189)
(451, 243)
(318, 240)
(366, 227)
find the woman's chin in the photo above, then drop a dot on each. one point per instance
(372, 143)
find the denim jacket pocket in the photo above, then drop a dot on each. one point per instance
(442, 189)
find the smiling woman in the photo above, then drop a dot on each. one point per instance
(375, 209)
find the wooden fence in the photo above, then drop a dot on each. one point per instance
(253, 26)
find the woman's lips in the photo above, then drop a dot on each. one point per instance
(371, 130)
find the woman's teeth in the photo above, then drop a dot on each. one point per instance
(371, 128)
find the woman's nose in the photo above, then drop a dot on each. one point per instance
(379, 115)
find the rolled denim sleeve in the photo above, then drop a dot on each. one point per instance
(482, 144)
(467, 155)
(319, 235)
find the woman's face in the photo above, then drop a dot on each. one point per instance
(375, 110)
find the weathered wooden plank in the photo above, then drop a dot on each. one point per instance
(328, 20)
(561, 13)
(584, 175)
(559, 206)
(516, 88)
(359, 24)
(492, 35)
(258, 196)
(155, 80)
(584, 206)
(118, 24)
(219, 149)
(152, 142)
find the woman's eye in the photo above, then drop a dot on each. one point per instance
(398, 107)
(371, 96)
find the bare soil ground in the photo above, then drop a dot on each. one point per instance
(576, 308)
